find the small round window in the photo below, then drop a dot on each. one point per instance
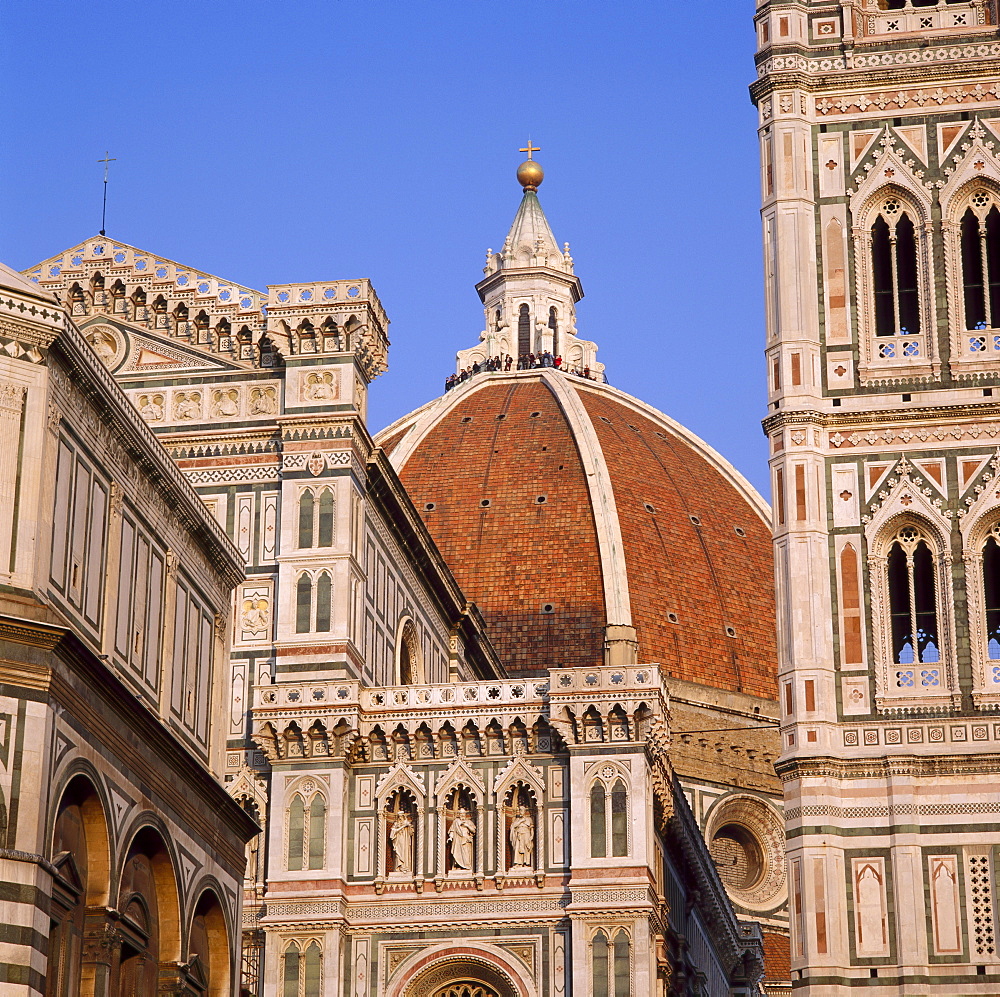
(738, 856)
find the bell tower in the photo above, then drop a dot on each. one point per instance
(879, 126)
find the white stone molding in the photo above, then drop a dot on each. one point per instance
(419, 973)
(617, 604)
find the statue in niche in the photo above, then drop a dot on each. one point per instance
(522, 838)
(263, 401)
(401, 839)
(462, 838)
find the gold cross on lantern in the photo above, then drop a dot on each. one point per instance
(530, 149)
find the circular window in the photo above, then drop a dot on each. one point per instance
(738, 856)
(485, 503)
(649, 508)
(548, 608)
(740, 532)
(534, 415)
(466, 418)
(695, 520)
(430, 507)
(673, 618)
(501, 416)
(540, 499)
(730, 631)
(746, 839)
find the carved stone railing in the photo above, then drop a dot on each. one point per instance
(303, 719)
(501, 692)
(941, 16)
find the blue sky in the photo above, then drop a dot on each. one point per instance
(301, 140)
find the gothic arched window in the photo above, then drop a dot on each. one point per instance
(303, 604)
(409, 668)
(598, 821)
(306, 508)
(915, 638)
(991, 596)
(306, 833)
(324, 602)
(523, 330)
(302, 972)
(325, 516)
(619, 819)
(894, 271)
(980, 235)
(316, 518)
(610, 965)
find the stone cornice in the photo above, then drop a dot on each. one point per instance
(910, 415)
(828, 767)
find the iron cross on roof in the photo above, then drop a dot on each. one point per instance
(108, 158)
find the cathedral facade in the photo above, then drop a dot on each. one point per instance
(508, 722)
(879, 131)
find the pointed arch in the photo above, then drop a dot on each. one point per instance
(325, 517)
(208, 942)
(981, 556)
(307, 502)
(303, 603)
(409, 663)
(523, 330)
(81, 858)
(324, 602)
(149, 901)
(598, 820)
(910, 580)
(296, 833)
(894, 276)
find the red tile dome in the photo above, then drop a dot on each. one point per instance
(564, 506)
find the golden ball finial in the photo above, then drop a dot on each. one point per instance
(530, 175)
